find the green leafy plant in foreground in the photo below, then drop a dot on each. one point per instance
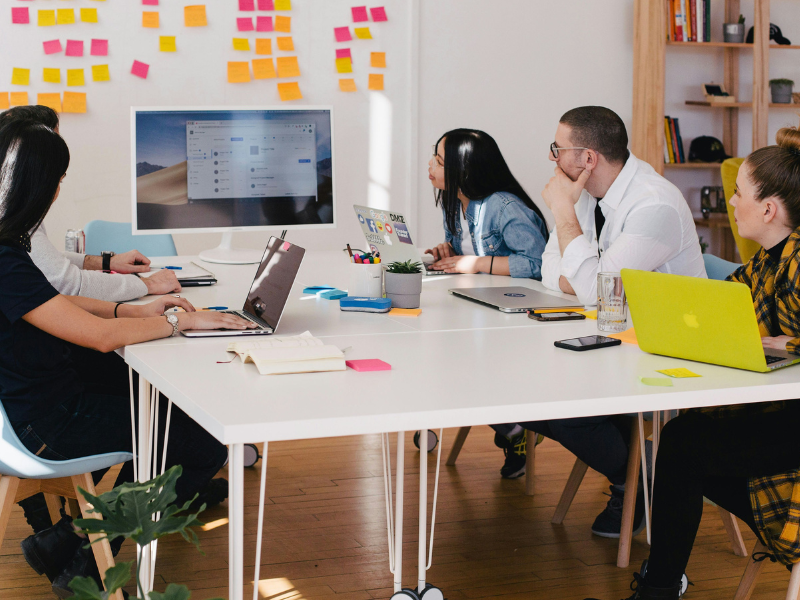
(130, 511)
(404, 267)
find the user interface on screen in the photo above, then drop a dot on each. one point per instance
(237, 168)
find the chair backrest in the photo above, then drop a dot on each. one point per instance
(718, 268)
(729, 170)
(117, 237)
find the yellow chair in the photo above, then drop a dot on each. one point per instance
(730, 169)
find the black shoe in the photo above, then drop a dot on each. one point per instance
(609, 522)
(213, 494)
(642, 591)
(516, 454)
(49, 551)
(82, 565)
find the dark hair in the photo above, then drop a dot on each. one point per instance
(38, 114)
(33, 159)
(474, 165)
(775, 172)
(599, 129)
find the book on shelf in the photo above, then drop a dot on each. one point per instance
(669, 157)
(291, 354)
(673, 143)
(679, 140)
(689, 20)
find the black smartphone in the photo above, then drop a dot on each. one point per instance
(556, 316)
(197, 282)
(590, 342)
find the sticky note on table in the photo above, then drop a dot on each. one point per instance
(656, 381)
(99, 48)
(140, 69)
(343, 53)
(20, 15)
(359, 14)
(74, 102)
(590, 314)
(315, 289)
(628, 336)
(362, 33)
(376, 82)
(100, 73)
(334, 294)
(20, 76)
(241, 44)
(244, 24)
(405, 312)
(288, 67)
(283, 24)
(264, 24)
(89, 15)
(366, 365)
(74, 48)
(75, 77)
(150, 19)
(344, 65)
(378, 14)
(347, 85)
(377, 60)
(286, 44)
(51, 75)
(4, 103)
(263, 46)
(19, 98)
(65, 16)
(283, 4)
(342, 34)
(263, 68)
(166, 43)
(46, 18)
(238, 72)
(266, 5)
(50, 100)
(195, 15)
(247, 5)
(678, 373)
(52, 46)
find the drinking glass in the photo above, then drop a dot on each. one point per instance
(612, 308)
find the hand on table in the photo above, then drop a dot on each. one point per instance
(209, 319)
(561, 191)
(162, 282)
(458, 264)
(441, 251)
(158, 307)
(130, 262)
(776, 343)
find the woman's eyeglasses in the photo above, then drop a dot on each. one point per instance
(554, 149)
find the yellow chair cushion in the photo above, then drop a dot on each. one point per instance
(730, 169)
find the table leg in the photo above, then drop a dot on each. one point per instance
(236, 522)
(143, 472)
(261, 502)
(423, 509)
(398, 519)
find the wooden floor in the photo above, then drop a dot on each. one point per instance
(326, 538)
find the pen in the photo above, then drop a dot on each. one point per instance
(214, 308)
(173, 268)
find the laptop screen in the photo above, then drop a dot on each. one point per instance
(274, 279)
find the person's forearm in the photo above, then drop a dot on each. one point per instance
(565, 285)
(93, 263)
(498, 267)
(99, 308)
(567, 225)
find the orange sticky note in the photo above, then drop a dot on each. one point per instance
(289, 91)
(74, 102)
(263, 68)
(283, 4)
(238, 72)
(288, 67)
(150, 19)
(65, 16)
(347, 85)
(377, 60)
(241, 44)
(283, 24)
(46, 18)
(344, 65)
(4, 104)
(263, 46)
(100, 73)
(51, 75)
(286, 44)
(20, 76)
(75, 77)
(166, 43)
(50, 100)
(362, 33)
(195, 16)
(89, 15)
(19, 99)
(376, 81)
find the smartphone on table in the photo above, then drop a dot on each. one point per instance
(556, 316)
(589, 342)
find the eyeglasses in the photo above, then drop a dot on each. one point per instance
(554, 149)
(435, 162)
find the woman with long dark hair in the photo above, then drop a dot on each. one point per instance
(491, 225)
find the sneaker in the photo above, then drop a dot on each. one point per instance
(515, 451)
(609, 522)
(642, 591)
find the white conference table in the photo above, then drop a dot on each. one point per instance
(457, 364)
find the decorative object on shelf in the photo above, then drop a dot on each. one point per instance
(774, 34)
(781, 90)
(734, 32)
(707, 149)
(717, 94)
(404, 284)
(712, 200)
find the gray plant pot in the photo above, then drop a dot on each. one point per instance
(781, 93)
(403, 289)
(733, 32)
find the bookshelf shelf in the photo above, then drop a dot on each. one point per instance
(739, 104)
(728, 45)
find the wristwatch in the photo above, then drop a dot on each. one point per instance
(172, 319)
(106, 255)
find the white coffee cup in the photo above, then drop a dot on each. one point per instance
(366, 280)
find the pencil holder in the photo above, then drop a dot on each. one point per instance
(366, 280)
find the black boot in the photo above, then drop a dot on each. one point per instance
(82, 565)
(642, 591)
(49, 551)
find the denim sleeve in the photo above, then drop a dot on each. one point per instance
(525, 239)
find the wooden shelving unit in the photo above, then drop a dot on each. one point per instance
(739, 104)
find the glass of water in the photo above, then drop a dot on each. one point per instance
(612, 308)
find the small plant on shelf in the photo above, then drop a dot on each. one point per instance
(781, 90)
(406, 267)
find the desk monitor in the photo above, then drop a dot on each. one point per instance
(200, 170)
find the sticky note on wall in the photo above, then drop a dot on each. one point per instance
(150, 20)
(100, 73)
(342, 34)
(286, 44)
(263, 68)
(19, 98)
(343, 53)
(247, 5)
(4, 103)
(264, 24)
(376, 81)
(378, 14)
(244, 24)
(238, 72)
(266, 5)
(150, 2)
(50, 100)
(140, 69)
(289, 91)
(46, 18)
(166, 43)
(377, 60)
(347, 85)
(288, 67)
(74, 102)
(20, 76)
(283, 24)
(195, 15)
(283, 4)
(74, 48)
(65, 16)
(99, 48)
(344, 65)
(363, 33)
(51, 75)
(89, 15)
(359, 14)
(75, 77)
(20, 16)
(52, 46)
(263, 46)
(241, 44)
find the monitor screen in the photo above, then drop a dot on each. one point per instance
(229, 169)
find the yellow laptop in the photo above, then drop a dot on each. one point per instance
(699, 319)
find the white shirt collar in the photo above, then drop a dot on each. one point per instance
(617, 190)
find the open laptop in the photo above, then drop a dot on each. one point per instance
(268, 293)
(387, 232)
(699, 319)
(515, 299)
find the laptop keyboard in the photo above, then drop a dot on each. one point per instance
(772, 359)
(240, 313)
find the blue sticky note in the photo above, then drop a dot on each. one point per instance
(333, 294)
(316, 289)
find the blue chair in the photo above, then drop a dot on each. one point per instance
(117, 237)
(53, 478)
(718, 268)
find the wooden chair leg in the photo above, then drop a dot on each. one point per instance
(74, 508)
(530, 455)
(748, 581)
(461, 437)
(734, 535)
(8, 493)
(568, 495)
(53, 507)
(629, 500)
(793, 593)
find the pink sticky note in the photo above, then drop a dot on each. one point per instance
(52, 46)
(19, 15)
(247, 5)
(150, 2)
(99, 48)
(378, 14)
(140, 69)
(359, 14)
(266, 5)
(342, 34)
(343, 53)
(264, 24)
(368, 364)
(74, 48)
(244, 24)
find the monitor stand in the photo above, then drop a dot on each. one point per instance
(227, 255)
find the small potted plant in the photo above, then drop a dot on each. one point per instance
(734, 32)
(781, 90)
(404, 284)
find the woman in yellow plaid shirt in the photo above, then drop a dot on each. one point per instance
(744, 458)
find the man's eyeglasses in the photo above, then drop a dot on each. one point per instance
(554, 149)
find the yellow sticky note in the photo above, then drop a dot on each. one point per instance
(75, 77)
(238, 72)
(283, 24)
(344, 65)
(288, 67)
(591, 314)
(347, 85)
(405, 312)
(263, 46)
(46, 18)
(283, 4)
(286, 44)
(195, 16)
(4, 103)
(362, 33)
(65, 16)
(51, 75)
(289, 91)
(241, 44)
(376, 81)
(166, 43)
(74, 102)
(19, 99)
(678, 373)
(89, 15)
(21, 76)
(263, 68)
(100, 73)
(656, 381)
(50, 100)
(377, 60)
(150, 19)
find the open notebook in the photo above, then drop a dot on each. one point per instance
(291, 354)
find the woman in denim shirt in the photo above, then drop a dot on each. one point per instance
(506, 233)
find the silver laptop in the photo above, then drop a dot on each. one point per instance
(268, 293)
(514, 299)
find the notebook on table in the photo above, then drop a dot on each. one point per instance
(189, 275)
(293, 354)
